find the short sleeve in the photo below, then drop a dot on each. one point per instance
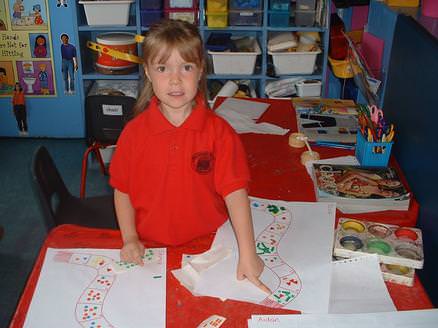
(231, 165)
(120, 161)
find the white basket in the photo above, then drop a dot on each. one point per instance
(112, 12)
(308, 88)
(294, 62)
(235, 62)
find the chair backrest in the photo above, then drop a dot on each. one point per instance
(48, 185)
(106, 116)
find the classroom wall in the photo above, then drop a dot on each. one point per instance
(56, 115)
(411, 100)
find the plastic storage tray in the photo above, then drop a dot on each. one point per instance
(305, 4)
(278, 18)
(188, 15)
(217, 5)
(217, 18)
(246, 4)
(305, 17)
(308, 88)
(372, 153)
(105, 13)
(179, 4)
(283, 5)
(294, 62)
(245, 18)
(235, 62)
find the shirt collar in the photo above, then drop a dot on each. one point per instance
(158, 122)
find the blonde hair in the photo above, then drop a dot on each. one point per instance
(160, 40)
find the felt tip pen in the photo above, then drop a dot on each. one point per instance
(333, 144)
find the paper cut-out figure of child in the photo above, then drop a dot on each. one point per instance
(19, 108)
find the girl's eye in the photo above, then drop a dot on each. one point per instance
(161, 69)
(188, 67)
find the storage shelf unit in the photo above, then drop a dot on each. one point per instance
(261, 75)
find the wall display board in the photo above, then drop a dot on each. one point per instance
(26, 48)
(38, 41)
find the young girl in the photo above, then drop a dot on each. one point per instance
(179, 171)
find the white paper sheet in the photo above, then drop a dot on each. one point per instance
(358, 287)
(297, 245)
(242, 115)
(87, 287)
(405, 319)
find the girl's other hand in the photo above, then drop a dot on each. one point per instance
(132, 251)
(251, 269)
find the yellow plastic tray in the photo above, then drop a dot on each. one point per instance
(342, 68)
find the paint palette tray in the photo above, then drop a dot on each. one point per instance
(395, 245)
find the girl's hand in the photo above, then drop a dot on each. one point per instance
(132, 251)
(251, 268)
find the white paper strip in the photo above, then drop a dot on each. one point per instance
(358, 287)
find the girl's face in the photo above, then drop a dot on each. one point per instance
(175, 82)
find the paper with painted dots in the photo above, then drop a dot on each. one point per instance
(92, 288)
(294, 240)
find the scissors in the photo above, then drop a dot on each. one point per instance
(389, 137)
(376, 115)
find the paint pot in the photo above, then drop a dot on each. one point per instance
(408, 251)
(351, 242)
(379, 231)
(119, 41)
(398, 269)
(378, 246)
(404, 233)
(353, 226)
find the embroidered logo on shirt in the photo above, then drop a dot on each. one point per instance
(202, 162)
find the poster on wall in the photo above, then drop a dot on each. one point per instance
(25, 48)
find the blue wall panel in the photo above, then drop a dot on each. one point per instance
(411, 104)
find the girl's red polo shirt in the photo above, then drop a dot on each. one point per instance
(176, 177)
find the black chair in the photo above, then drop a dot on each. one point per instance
(59, 206)
(105, 117)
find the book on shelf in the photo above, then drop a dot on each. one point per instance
(357, 189)
(332, 120)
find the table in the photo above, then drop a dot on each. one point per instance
(276, 174)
